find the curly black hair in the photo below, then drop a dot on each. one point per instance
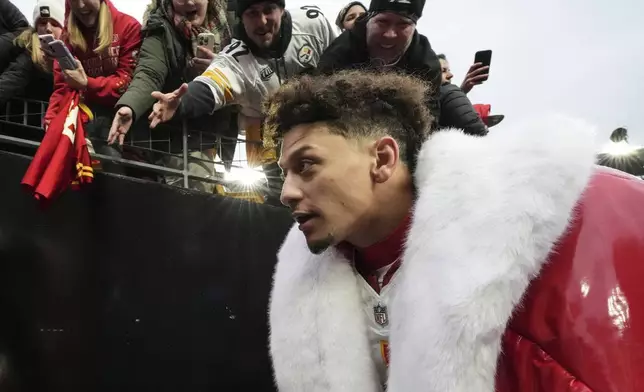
(354, 104)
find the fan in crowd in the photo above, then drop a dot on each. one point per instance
(31, 71)
(105, 43)
(274, 45)
(171, 54)
(385, 38)
(456, 109)
(348, 15)
(120, 81)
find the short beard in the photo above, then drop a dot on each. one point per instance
(320, 246)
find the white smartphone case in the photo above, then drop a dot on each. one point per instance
(62, 54)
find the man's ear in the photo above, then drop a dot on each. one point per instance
(386, 154)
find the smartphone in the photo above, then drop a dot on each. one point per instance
(207, 40)
(46, 39)
(484, 57)
(62, 54)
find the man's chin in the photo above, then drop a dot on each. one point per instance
(263, 42)
(317, 246)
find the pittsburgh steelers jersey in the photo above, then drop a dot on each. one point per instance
(238, 77)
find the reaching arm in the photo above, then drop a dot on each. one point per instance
(150, 75)
(224, 82)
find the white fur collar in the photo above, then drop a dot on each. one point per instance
(488, 213)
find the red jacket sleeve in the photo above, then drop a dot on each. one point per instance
(107, 90)
(60, 88)
(580, 326)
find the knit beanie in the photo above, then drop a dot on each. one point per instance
(343, 13)
(412, 9)
(53, 9)
(243, 5)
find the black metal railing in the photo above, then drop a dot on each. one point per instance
(175, 155)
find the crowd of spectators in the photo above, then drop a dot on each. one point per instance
(211, 64)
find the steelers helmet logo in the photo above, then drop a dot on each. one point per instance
(305, 54)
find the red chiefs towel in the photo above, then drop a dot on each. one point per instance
(62, 158)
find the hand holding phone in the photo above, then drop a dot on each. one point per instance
(205, 52)
(46, 39)
(206, 40)
(484, 57)
(478, 72)
(62, 54)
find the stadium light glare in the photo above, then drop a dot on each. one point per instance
(619, 149)
(246, 176)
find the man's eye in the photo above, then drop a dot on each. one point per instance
(304, 166)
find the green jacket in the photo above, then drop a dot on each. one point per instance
(161, 63)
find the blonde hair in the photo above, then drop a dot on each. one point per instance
(29, 40)
(104, 32)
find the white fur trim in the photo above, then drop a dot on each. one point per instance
(488, 213)
(315, 320)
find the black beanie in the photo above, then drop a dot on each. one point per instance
(243, 5)
(413, 9)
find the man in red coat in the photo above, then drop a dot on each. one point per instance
(445, 262)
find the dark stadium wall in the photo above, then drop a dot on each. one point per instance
(132, 286)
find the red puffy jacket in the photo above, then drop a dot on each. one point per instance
(109, 73)
(581, 325)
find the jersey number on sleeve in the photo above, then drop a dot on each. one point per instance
(312, 11)
(243, 50)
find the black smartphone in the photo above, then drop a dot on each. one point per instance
(484, 57)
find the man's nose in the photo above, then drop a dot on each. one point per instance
(450, 75)
(49, 28)
(390, 33)
(291, 194)
(263, 20)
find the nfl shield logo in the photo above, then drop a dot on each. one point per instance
(380, 315)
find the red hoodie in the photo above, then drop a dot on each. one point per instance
(108, 73)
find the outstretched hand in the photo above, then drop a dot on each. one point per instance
(166, 106)
(120, 125)
(476, 75)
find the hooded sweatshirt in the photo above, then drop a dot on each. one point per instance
(108, 73)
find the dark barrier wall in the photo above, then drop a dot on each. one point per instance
(133, 286)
